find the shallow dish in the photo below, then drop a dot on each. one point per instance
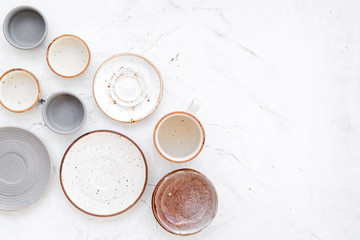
(127, 87)
(25, 168)
(25, 27)
(68, 56)
(64, 112)
(103, 173)
(19, 90)
(184, 202)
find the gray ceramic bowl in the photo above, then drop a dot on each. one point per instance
(25, 27)
(64, 112)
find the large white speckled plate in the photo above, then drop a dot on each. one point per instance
(25, 168)
(103, 173)
(127, 87)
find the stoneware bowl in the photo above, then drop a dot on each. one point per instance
(103, 173)
(68, 56)
(64, 112)
(25, 168)
(127, 87)
(184, 202)
(179, 136)
(25, 27)
(19, 90)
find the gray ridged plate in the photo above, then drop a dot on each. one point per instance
(25, 168)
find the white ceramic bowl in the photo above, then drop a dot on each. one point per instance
(68, 56)
(19, 90)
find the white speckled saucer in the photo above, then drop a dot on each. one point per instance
(103, 173)
(127, 87)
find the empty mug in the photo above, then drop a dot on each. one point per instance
(179, 136)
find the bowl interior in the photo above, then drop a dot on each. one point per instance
(19, 90)
(64, 113)
(184, 202)
(25, 28)
(68, 56)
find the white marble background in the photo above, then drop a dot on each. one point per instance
(280, 86)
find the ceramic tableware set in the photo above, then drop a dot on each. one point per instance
(102, 173)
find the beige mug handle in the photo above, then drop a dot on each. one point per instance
(194, 106)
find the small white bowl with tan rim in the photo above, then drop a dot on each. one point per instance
(179, 136)
(19, 90)
(68, 56)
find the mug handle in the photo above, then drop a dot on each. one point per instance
(194, 106)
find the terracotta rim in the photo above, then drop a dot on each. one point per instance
(37, 82)
(156, 130)
(157, 71)
(157, 187)
(62, 36)
(99, 215)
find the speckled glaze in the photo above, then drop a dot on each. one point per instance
(103, 173)
(127, 87)
(19, 90)
(25, 168)
(179, 136)
(184, 202)
(68, 56)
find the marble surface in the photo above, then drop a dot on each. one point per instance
(279, 83)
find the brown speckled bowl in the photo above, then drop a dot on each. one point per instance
(184, 202)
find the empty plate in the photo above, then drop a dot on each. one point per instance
(103, 173)
(127, 87)
(25, 168)
(184, 202)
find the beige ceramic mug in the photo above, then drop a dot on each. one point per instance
(180, 136)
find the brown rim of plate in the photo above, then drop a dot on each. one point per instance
(62, 36)
(153, 207)
(37, 82)
(98, 215)
(157, 71)
(156, 128)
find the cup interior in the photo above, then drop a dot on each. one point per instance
(179, 137)
(64, 113)
(68, 56)
(25, 27)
